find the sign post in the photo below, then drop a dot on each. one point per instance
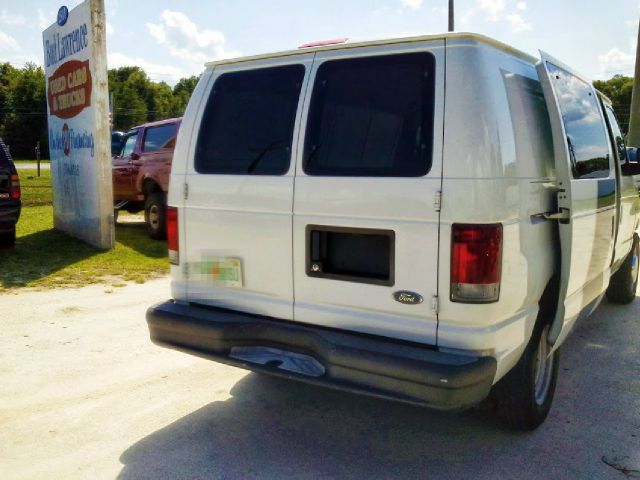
(75, 57)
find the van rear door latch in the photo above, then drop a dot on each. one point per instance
(563, 215)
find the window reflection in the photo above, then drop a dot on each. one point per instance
(617, 135)
(586, 138)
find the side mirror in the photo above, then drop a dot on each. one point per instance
(632, 167)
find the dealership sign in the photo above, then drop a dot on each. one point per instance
(78, 122)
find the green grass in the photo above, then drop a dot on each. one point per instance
(47, 258)
(35, 190)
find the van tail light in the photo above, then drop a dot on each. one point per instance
(476, 263)
(172, 235)
(14, 192)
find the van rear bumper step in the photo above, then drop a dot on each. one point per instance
(371, 365)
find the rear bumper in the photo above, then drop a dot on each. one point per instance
(366, 364)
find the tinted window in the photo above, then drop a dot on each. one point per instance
(5, 157)
(129, 144)
(156, 138)
(247, 126)
(586, 136)
(372, 117)
(616, 133)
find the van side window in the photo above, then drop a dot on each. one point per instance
(616, 133)
(247, 126)
(156, 138)
(586, 135)
(372, 117)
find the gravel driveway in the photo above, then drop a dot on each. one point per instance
(86, 395)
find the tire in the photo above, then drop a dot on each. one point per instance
(155, 214)
(525, 393)
(623, 284)
(8, 238)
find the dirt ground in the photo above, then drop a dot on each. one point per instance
(84, 394)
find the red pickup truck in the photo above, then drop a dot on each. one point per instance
(141, 172)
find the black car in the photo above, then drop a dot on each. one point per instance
(9, 198)
(116, 142)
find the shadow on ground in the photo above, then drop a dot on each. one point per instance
(133, 234)
(273, 428)
(40, 254)
(43, 253)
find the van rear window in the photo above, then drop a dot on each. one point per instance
(247, 126)
(372, 117)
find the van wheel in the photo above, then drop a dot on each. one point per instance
(155, 211)
(8, 239)
(623, 284)
(526, 392)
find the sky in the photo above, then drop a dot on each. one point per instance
(173, 39)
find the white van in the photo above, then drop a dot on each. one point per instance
(422, 219)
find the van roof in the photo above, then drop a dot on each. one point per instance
(390, 41)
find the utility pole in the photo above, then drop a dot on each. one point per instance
(633, 140)
(451, 16)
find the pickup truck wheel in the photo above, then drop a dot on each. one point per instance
(155, 210)
(526, 392)
(8, 239)
(623, 284)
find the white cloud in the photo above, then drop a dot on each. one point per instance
(412, 4)
(493, 8)
(517, 23)
(109, 28)
(616, 61)
(158, 72)
(111, 7)
(184, 40)
(11, 19)
(499, 11)
(45, 20)
(8, 43)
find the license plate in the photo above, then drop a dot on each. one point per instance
(223, 271)
(4, 195)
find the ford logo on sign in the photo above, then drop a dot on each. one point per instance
(63, 15)
(407, 297)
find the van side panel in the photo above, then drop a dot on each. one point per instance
(498, 155)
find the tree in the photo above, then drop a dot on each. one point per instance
(618, 89)
(137, 99)
(25, 121)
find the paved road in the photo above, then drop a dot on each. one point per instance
(33, 166)
(84, 394)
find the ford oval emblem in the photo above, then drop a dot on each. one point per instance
(407, 297)
(63, 15)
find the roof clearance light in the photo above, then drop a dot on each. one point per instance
(324, 43)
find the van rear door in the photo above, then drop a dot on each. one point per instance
(365, 225)
(239, 188)
(587, 191)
